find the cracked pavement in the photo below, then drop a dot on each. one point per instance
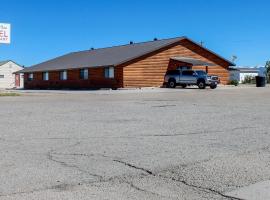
(171, 144)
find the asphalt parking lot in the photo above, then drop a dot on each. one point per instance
(155, 144)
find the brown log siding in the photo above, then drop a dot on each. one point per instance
(150, 71)
(95, 79)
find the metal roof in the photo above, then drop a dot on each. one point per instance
(194, 62)
(111, 56)
(246, 69)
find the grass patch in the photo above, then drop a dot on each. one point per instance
(7, 94)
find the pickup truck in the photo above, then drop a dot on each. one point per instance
(184, 78)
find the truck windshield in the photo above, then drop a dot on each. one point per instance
(201, 73)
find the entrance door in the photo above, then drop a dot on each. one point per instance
(17, 80)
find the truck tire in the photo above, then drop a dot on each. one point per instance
(184, 85)
(213, 86)
(172, 83)
(201, 84)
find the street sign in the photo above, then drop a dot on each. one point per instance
(4, 33)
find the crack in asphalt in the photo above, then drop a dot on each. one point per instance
(163, 106)
(201, 188)
(83, 155)
(198, 133)
(133, 166)
(177, 180)
(143, 190)
(241, 128)
(181, 134)
(65, 164)
(62, 187)
(138, 136)
(100, 179)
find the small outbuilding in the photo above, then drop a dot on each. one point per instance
(133, 65)
(8, 78)
(240, 73)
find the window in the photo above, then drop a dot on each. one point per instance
(63, 75)
(45, 76)
(187, 73)
(201, 73)
(2, 76)
(30, 77)
(173, 72)
(183, 68)
(109, 72)
(84, 74)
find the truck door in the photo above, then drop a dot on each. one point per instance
(188, 77)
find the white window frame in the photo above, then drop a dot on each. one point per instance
(46, 77)
(30, 77)
(85, 74)
(109, 72)
(63, 75)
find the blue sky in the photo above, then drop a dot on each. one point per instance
(45, 29)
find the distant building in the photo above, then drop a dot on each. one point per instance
(8, 78)
(239, 73)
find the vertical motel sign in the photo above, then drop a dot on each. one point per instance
(4, 33)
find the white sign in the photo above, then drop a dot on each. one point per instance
(4, 33)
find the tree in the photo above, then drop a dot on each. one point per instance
(234, 58)
(267, 67)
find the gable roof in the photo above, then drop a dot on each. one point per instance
(111, 56)
(247, 69)
(4, 62)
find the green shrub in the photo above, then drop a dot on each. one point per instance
(233, 82)
(249, 80)
(267, 71)
(9, 94)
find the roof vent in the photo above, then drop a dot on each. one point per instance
(155, 39)
(131, 42)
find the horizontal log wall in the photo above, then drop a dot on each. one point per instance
(95, 79)
(150, 71)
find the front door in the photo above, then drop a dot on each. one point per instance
(17, 80)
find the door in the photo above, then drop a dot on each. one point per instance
(188, 77)
(17, 80)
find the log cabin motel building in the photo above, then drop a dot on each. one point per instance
(133, 65)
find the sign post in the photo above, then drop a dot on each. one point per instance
(4, 33)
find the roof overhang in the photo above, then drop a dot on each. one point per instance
(192, 61)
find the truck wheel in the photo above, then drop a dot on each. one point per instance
(184, 85)
(201, 84)
(171, 83)
(214, 86)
